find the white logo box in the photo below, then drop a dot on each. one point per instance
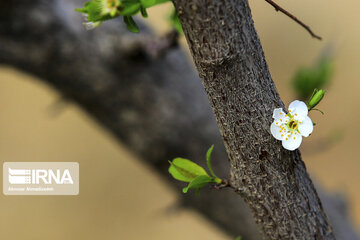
(41, 178)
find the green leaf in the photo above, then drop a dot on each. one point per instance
(175, 21)
(198, 183)
(208, 161)
(150, 3)
(147, 3)
(144, 12)
(82, 10)
(130, 9)
(130, 24)
(185, 170)
(85, 9)
(239, 238)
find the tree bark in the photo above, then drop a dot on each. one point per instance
(230, 61)
(156, 107)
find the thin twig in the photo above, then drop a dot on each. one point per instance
(224, 184)
(278, 8)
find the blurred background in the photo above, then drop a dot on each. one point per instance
(112, 203)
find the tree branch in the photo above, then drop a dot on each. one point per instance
(230, 61)
(278, 8)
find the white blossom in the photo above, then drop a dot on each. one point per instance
(291, 127)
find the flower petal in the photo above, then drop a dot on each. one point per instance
(280, 116)
(278, 113)
(292, 142)
(275, 131)
(306, 127)
(298, 109)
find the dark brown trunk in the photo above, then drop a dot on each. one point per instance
(230, 61)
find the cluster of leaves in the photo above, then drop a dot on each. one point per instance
(307, 79)
(97, 11)
(187, 171)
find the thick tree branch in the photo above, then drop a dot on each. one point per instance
(278, 8)
(272, 181)
(155, 106)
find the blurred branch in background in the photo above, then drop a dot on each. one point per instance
(318, 76)
(155, 106)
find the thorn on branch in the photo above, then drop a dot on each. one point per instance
(278, 8)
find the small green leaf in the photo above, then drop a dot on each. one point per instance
(239, 238)
(130, 24)
(198, 183)
(144, 12)
(130, 9)
(150, 3)
(185, 170)
(175, 21)
(85, 9)
(82, 10)
(315, 98)
(208, 161)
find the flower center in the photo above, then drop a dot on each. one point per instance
(110, 3)
(288, 126)
(293, 124)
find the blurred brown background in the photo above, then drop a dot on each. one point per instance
(122, 199)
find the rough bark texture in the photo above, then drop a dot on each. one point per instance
(156, 107)
(273, 181)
